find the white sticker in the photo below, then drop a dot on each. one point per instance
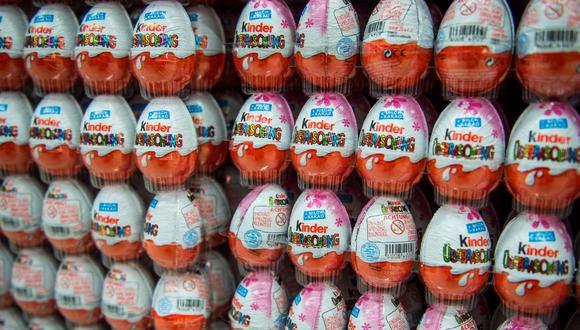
(52, 30)
(163, 27)
(208, 30)
(326, 124)
(328, 27)
(117, 215)
(165, 126)
(12, 31)
(107, 125)
(79, 283)
(66, 210)
(33, 276)
(209, 121)
(182, 294)
(264, 119)
(265, 28)
(127, 292)
(56, 122)
(546, 135)
(105, 28)
(15, 117)
(173, 218)
(470, 133)
(21, 204)
(477, 23)
(549, 27)
(401, 22)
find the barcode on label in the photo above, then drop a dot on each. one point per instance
(189, 304)
(375, 27)
(402, 249)
(69, 301)
(24, 293)
(115, 310)
(275, 239)
(467, 33)
(57, 231)
(547, 38)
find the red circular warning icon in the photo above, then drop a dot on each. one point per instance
(281, 219)
(398, 227)
(468, 8)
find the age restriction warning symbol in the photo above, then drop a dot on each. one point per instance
(281, 219)
(468, 8)
(554, 10)
(398, 227)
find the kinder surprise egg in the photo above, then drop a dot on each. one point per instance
(466, 151)
(455, 256)
(378, 311)
(214, 208)
(165, 143)
(474, 46)
(534, 263)
(392, 148)
(542, 170)
(102, 50)
(548, 48)
(441, 317)
(181, 301)
(13, 26)
(317, 304)
(259, 226)
(384, 243)
(261, 138)
(79, 284)
(210, 46)
(324, 140)
(11, 318)
(20, 210)
(66, 216)
(33, 280)
(126, 299)
(6, 264)
(260, 302)
(49, 48)
(318, 233)
(210, 126)
(173, 229)
(221, 281)
(117, 222)
(326, 50)
(398, 43)
(264, 44)
(15, 115)
(163, 50)
(107, 139)
(54, 135)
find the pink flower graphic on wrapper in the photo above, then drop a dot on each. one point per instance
(338, 222)
(262, 97)
(302, 317)
(394, 101)
(254, 306)
(345, 123)
(552, 108)
(470, 106)
(250, 279)
(325, 99)
(366, 326)
(285, 24)
(257, 3)
(315, 198)
(472, 213)
(540, 220)
(309, 23)
(283, 119)
(495, 134)
(416, 126)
